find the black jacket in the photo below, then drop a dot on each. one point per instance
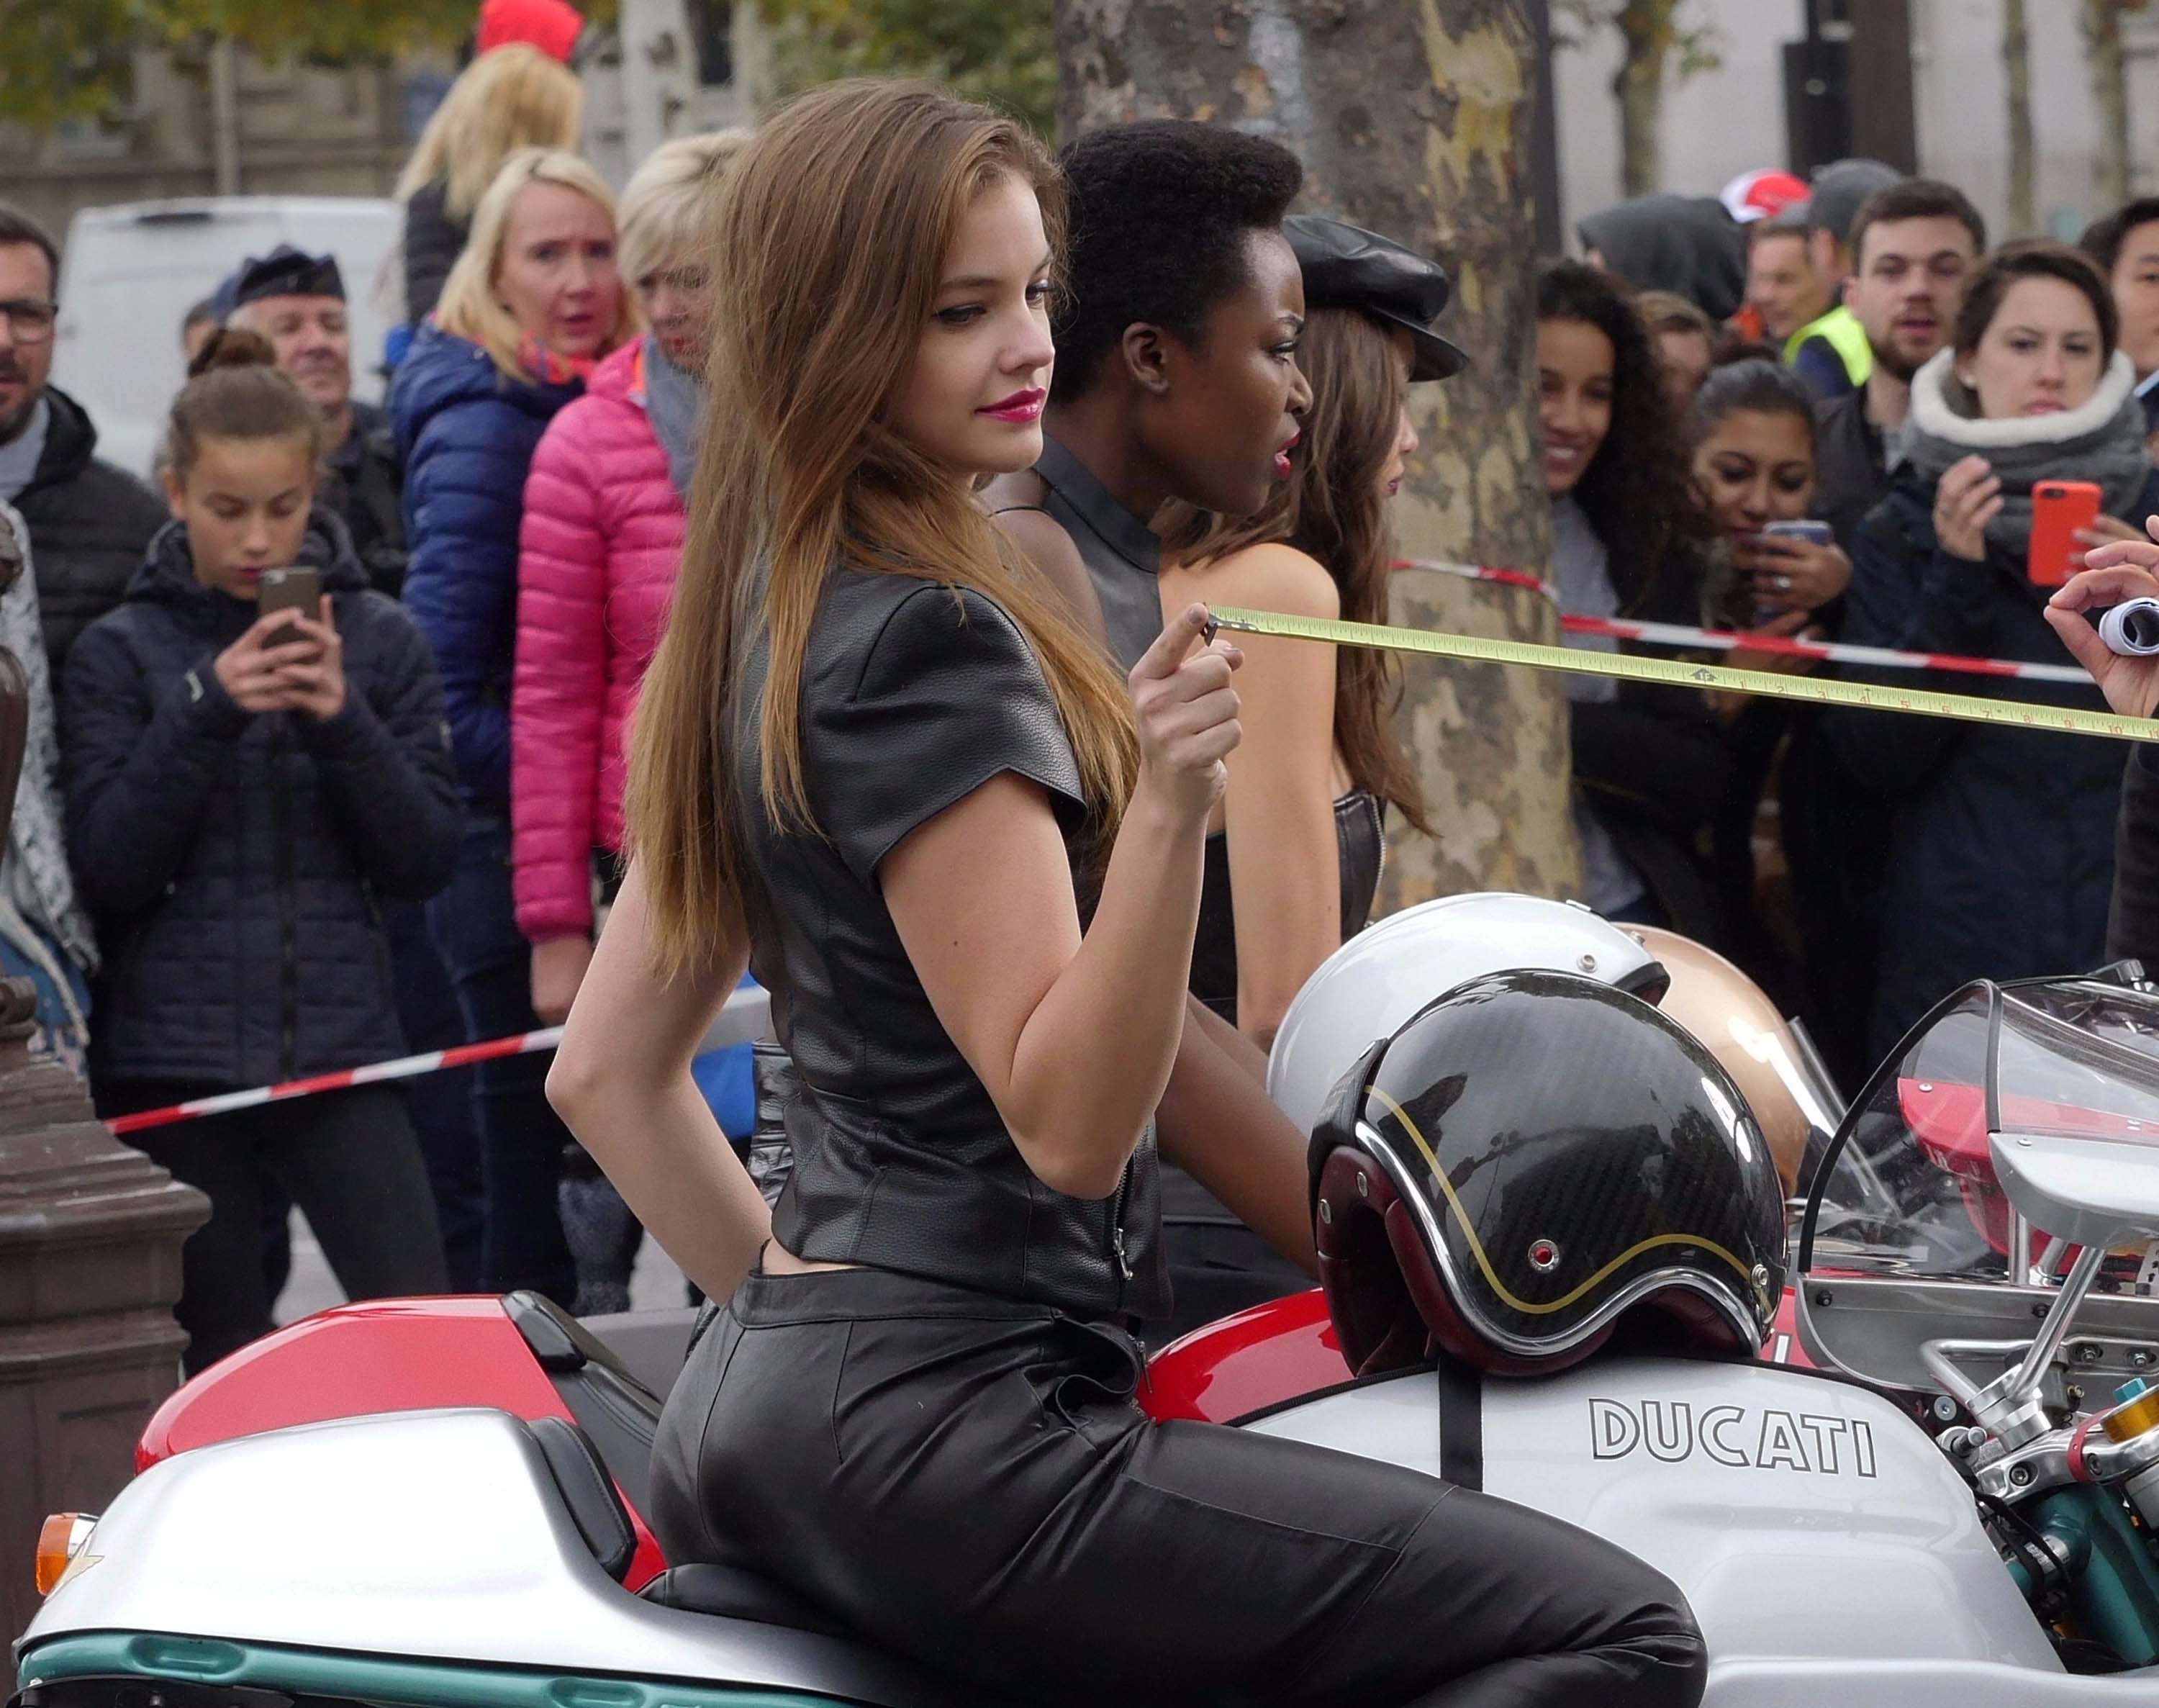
(366, 486)
(236, 861)
(432, 243)
(2001, 849)
(1850, 478)
(1655, 763)
(2132, 923)
(89, 525)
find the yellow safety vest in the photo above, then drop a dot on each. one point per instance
(1845, 335)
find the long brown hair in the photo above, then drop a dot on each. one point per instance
(827, 246)
(1333, 511)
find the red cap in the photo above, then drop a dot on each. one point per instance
(1762, 195)
(552, 26)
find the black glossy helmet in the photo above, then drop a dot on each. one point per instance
(1528, 1162)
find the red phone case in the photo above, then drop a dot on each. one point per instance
(2059, 509)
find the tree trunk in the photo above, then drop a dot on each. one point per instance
(1639, 86)
(1415, 121)
(2023, 159)
(2109, 86)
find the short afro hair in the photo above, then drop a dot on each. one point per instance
(1159, 212)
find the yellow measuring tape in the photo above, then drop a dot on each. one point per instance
(1680, 673)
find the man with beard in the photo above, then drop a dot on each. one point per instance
(90, 523)
(1912, 244)
(297, 301)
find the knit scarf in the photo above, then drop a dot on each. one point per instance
(675, 405)
(538, 362)
(2101, 441)
(40, 916)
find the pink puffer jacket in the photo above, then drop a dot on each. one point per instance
(601, 541)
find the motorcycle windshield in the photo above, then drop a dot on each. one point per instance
(1908, 1187)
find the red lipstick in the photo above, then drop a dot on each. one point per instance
(1021, 408)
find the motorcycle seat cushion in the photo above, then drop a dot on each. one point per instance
(728, 1593)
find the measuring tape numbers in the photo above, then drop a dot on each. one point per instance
(1680, 673)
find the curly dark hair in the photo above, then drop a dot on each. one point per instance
(1635, 491)
(1158, 213)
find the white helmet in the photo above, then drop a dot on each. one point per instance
(1384, 975)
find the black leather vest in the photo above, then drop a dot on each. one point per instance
(1359, 839)
(913, 696)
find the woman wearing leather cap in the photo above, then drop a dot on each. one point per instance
(1294, 848)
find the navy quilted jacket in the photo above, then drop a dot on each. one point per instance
(466, 435)
(235, 860)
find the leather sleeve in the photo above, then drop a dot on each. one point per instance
(948, 695)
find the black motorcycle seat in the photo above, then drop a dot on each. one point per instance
(732, 1593)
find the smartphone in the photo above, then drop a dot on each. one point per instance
(1814, 533)
(2059, 509)
(299, 589)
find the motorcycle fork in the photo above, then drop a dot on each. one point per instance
(2113, 1583)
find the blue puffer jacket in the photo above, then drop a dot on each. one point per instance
(466, 435)
(2002, 853)
(235, 860)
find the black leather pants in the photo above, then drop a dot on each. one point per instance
(966, 1481)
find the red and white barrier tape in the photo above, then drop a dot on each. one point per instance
(404, 1068)
(1680, 635)
(744, 1018)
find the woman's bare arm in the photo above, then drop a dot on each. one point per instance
(1217, 1124)
(1285, 872)
(1074, 1038)
(621, 1081)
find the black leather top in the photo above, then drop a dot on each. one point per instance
(914, 694)
(1122, 554)
(1357, 835)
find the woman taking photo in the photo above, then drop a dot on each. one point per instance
(600, 543)
(510, 97)
(243, 793)
(532, 305)
(2001, 856)
(876, 753)
(1294, 847)
(1751, 439)
(1627, 540)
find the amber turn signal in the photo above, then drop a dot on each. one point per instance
(59, 1539)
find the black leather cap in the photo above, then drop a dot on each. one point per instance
(286, 271)
(1346, 266)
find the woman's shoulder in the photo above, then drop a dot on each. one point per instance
(1273, 575)
(885, 630)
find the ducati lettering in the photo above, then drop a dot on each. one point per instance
(1714, 1423)
(1669, 1432)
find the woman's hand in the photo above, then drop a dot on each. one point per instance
(1187, 714)
(558, 968)
(2120, 571)
(1966, 498)
(255, 672)
(2104, 531)
(315, 684)
(1792, 572)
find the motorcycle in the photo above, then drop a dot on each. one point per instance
(1975, 1250)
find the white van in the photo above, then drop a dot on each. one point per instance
(130, 273)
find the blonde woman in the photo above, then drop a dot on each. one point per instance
(511, 98)
(533, 302)
(604, 518)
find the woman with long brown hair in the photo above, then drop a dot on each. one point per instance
(878, 758)
(1294, 848)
